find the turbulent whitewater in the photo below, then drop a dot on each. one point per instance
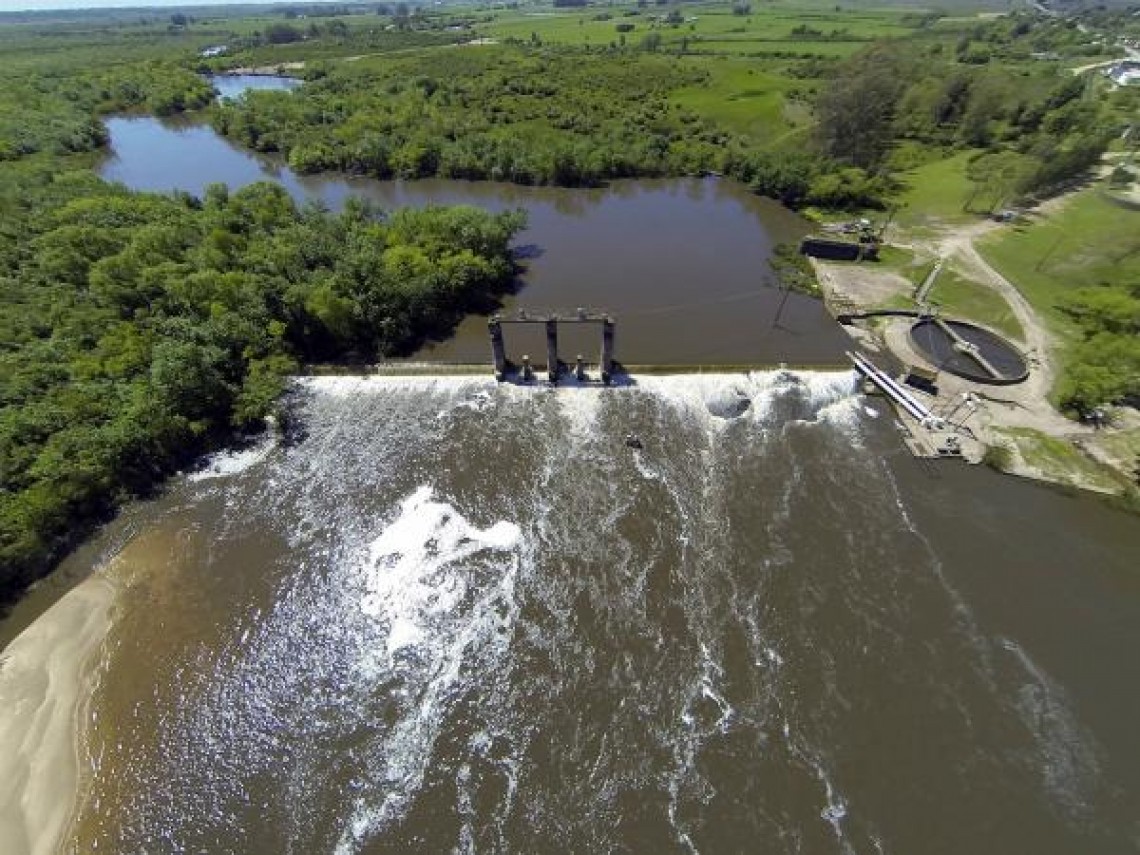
(451, 616)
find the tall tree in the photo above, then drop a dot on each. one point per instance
(856, 111)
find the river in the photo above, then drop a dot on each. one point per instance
(462, 617)
(682, 264)
(449, 615)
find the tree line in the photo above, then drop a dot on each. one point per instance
(553, 115)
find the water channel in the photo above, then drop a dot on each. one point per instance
(456, 616)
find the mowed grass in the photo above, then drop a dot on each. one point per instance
(1061, 461)
(955, 295)
(1088, 242)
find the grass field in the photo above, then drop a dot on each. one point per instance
(936, 193)
(1089, 241)
(801, 30)
(745, 99)
(955, 295)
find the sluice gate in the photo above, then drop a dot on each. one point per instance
(554, 366)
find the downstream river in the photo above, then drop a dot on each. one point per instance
(461, 617)
(452, 616)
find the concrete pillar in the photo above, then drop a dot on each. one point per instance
(527, 372)
(607, 350)
(580, 368)
(498, 349)
(552, 350)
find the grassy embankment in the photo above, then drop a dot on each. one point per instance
(1062, 462)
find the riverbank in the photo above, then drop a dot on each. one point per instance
(46, 676)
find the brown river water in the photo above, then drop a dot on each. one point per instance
(454, 616)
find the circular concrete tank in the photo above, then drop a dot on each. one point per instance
(969, 351)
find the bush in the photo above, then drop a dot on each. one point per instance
(998, 456)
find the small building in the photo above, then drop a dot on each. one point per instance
(922, 378)
(835, 249)
(1126, 73)
(216, 50)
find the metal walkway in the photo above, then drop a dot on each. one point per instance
(968, 348)
(895, 391)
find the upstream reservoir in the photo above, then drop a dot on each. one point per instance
(684, 264)
(448, 615)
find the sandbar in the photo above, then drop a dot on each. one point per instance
(46, 675)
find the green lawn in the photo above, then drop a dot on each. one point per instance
(954, 294)
(1090, 241)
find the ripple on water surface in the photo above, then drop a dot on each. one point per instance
(459, 616)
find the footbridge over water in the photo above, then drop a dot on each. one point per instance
(551, 321)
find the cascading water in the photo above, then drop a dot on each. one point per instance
(455, 616)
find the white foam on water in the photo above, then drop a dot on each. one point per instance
(418, 588)
(466, 809)
(845, 413)
(966, 620)
(579, 410)
(831, 396)
(695, 729)
(691, 393)
(229, 463)
(835, 809)
(1066, 758)
(480, 745)
(828, 387)
(339, 386)
(479, 402)
(442, 589)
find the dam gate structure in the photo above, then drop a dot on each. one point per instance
(554, 366)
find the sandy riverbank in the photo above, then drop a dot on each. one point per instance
(45, 678)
